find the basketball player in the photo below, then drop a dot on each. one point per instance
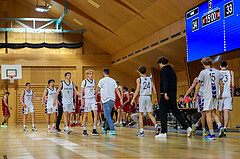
(88, 86)
(145, 87)
(202, 120)
(225, 105)
(118, 106)
(5, 109)
(26, 99)
(126, 105)
(49, 107)
(212, 83)
(66, 87)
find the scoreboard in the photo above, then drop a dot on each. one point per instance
(212, 28)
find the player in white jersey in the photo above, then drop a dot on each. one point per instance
(212, 84)
(199, 103)
(225, 105)
(26, 99)
(145, 87)
(88, 86)
(47, 100)
(66, 87)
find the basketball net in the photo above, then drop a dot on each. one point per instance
(11, 78)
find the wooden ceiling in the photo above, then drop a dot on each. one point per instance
(118, 23)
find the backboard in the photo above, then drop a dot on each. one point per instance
(11, 72)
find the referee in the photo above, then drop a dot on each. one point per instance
(168, 99)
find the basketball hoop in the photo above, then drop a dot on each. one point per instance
(11, 78)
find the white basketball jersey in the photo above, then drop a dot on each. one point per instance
(145, 86)
(210, 77)
(67, 92)
(51, 95)
(28, 97)
(226, 78)
(89, 87)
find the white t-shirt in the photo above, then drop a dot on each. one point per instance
(88, 88)
(210, 77)
(108, 86)
(226, 77)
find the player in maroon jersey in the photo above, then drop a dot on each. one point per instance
(5, 108)
(126, 105)
(118, 106)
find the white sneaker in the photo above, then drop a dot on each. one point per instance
(25, 129)
(161, 135)
(189, 132)
(98, 124)
(49, 130)
(34, 129)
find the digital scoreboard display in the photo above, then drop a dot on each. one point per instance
(213, 28)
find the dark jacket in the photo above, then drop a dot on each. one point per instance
(168, 83)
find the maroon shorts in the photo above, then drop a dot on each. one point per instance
(126, 108)
(118, 104)
(77, 109)
(133, 109)
(99, 108)
(5, 111)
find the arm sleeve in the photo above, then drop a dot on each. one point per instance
(164, 78)
(100, 84)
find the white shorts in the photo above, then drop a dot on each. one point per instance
(225, 103)
(145, 104)
(28, 109)
(90, 104)
(50, 110)
(68, 108)
(210, 104)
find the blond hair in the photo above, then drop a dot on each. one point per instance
(206, 61)
(89, 71)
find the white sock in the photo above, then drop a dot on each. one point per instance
(196, 125)
(156, 125)
(94, 127)
(78, 121)
(84, 128)
(211, 132)
(141, 129)
(66, 127)
(53, 124)
(71, 122)
(219, 124)
(120, 122)
(33, 125)
(117, 121)
(25, 126)
(48, 126)
(204, 130)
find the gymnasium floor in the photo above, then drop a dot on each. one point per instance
(40, 144)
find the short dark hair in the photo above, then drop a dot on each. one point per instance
(181, 96)
(132, 90)
(142, 69)
(125, 87)
(27, 83)
(106, 71)
(162, 60)
(67, 73)
(117, 82)
(51, 80)
(7, 92)
(224, 64)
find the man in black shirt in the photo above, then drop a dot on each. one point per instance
(60, 111)
(168, 100)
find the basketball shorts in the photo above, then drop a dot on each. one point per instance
(77, 109)
(28, 109)
(145, 104)
(210, 104)
(133, 109)
(118, 105)
(90, 104)
(126, 108)
(68, 108)
(5, 111)
(225, 103)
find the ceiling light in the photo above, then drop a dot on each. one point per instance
(40, 8)
(75, 20)
(94, 3)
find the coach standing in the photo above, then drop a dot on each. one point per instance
(107, 87)
(168, 99)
